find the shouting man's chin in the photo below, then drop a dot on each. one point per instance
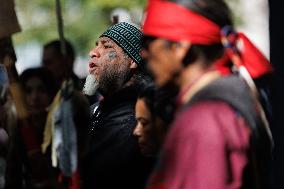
(91, 85)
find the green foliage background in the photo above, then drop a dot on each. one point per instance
(84, 20)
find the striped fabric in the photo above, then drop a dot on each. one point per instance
(128, 37)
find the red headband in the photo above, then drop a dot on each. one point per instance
(173, 22)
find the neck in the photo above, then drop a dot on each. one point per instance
(132, 81)
(114, 90)
(38, 120)
(190, 74)
(193, 79)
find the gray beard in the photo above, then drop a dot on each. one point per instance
(91, 85)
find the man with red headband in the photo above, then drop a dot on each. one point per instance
(220, 136)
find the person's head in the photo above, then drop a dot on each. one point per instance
(115, 60)
(183, 38)
(152, 119)
(39, 87)
(54, 60)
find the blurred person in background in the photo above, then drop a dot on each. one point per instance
(153, 112)
(9, 26)
(27, 167)
(60, 65)
(40, 88)
(219, 137)
(68, 114)
(8, 121)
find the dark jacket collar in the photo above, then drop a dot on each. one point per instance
(129, 93)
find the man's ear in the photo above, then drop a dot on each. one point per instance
(133, 64)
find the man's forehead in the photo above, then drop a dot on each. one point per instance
(108, 40)
(105, 39)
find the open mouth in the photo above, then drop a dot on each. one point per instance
(92, 67)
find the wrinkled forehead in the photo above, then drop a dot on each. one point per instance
(108, 40)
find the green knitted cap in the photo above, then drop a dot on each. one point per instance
(128, 37)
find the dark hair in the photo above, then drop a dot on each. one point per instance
(159, 103)
(147, 92)
(216, 11)
(44, 75)
(56, 45)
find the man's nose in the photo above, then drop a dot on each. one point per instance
(94, 53)
(137, 130)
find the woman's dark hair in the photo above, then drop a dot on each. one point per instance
(147, 92)
(216, 11)
(44, 75)
(159, 103)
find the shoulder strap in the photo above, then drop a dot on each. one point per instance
(231, 90)
(236, 93)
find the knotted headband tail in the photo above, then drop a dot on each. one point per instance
(247, 55)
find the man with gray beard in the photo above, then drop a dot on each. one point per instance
(113, 159)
